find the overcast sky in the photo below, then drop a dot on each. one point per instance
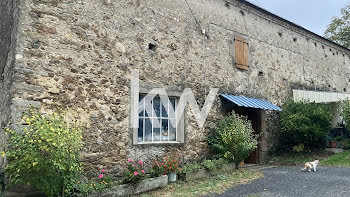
(313, 15)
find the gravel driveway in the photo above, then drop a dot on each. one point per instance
(290, 181)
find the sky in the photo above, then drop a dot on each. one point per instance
(313, 15)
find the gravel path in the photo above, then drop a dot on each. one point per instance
(290, 181)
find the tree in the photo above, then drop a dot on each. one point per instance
(339, 28)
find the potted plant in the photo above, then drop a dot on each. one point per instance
(333, 141)
(171, 167)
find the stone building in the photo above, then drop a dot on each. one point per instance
(80, 54)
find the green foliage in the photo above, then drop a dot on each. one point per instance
(304, 123)
(346, 114)
(339, 30)
(345, 144)
(135, 172)
(46, 154)
(214, 164)
(233, 138)
(299, 148)
(191, 167)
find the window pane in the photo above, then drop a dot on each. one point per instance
(156, 106)
(148, 106)
(156, 131)
(142, 105)
(172, 131)
(148, 130)
(172, 113)
(164, 106)
(164, 130)
(140, 130)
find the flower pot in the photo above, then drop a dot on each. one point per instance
(333, 144)
(172, 177)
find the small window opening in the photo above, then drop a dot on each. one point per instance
(152, 47)
(280, 34)
(294, 39)
(261, 73)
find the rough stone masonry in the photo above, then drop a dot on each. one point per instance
(79, 53)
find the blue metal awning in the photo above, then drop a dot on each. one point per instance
(250, 102)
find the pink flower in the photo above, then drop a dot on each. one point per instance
(140, 162)
(101, 176)
(130, 160)
(102, 170)
(133, 165)
(136, 173)
(143, 172)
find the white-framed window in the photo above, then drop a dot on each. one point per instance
(158, 126)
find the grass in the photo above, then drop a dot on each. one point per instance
(217, 184)
(299, 158)
(338, 160)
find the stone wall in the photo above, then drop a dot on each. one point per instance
(8, 30)
(79, 54)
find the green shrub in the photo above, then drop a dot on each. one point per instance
(299, 148)
(45, 155)
(346, 114)
(191, 167)
(304, 123)
(233, 138)
(214, 164)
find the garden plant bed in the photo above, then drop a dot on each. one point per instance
(132, 189)
(203, 173)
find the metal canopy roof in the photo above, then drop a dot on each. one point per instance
(251, 102)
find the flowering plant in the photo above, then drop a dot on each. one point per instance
(102, 182)
(157, 169)
(135, 172)
(171, 165)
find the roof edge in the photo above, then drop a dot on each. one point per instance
(290, 23)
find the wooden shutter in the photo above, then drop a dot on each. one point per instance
(241, 53)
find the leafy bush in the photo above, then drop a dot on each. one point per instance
(214, 164)
(304, 124)
(233, 138)
(46, 154)
(191, 167)
(134, 173)
(299, 148)
(346, 114)
(345, 144)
